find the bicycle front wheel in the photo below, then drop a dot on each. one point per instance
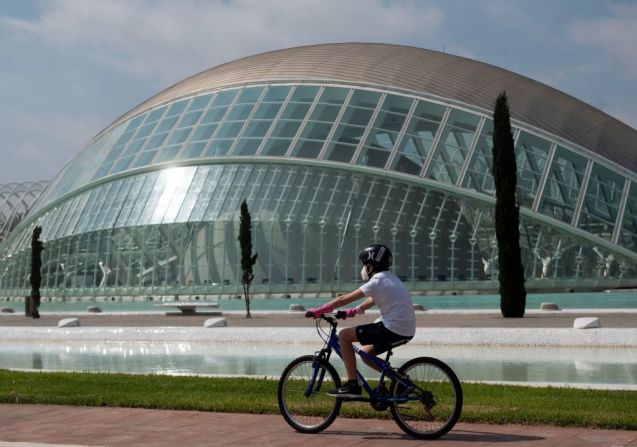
(302, 394)
(432, 407)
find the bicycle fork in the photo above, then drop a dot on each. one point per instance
(318, 373)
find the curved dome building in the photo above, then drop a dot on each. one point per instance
(335, 146)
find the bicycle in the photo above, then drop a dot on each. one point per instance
(424, 394)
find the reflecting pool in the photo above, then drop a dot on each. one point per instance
(594, 367)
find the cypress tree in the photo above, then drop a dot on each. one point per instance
(247, 258)
(36, 265)
(507, 214)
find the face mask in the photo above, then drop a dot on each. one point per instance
(364, 274)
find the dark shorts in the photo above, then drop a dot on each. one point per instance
(378, 335)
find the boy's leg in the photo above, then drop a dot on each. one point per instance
(346, 337)
(371, 351)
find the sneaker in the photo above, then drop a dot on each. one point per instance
(349, 389)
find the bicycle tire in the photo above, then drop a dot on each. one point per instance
(308, 414)
(434, 414)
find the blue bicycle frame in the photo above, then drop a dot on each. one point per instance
(386, 371)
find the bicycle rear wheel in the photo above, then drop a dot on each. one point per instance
(302, 394)
(433, 407)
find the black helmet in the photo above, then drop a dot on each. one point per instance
(378, 255)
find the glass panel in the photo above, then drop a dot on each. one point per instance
(601, 203)
(325, 113)
(385, 131)
(295, 111)
(204, 132)
(340, 152)
(277, 93)
(135, 122)
(357, 116)
(179, 136)
(190, 119)
(221, 192)
(308, 149)
(144, 159)
(133, 148)
(200, 102)
(257, 129)
(304, 93)
(224, 98)
(320, 124)
(177, 107)
(193, 150)
(397, 104)
(267, 110)
(275, 147)
(114, 153)
(479, 173)
(176, 184)
(218, 148)
(214, 115)
(249, 95)
(166, 124)
(316, 131)
(239, 112)
(416, 144)
(247, 146)
(453, 146)
(348, 134)
(145, 130)
(285, 129)
(156, 140)
(131, 200)
(532, 152)
(205, 195)
(154, 115)
(191, 196)
(168, 153)
(364, 98)
(563, 185)
(229, 130)
(628, 233)
(121, 165)
(334, 95)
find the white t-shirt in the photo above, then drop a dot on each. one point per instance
(394, 301)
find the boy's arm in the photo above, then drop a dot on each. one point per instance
(344, 300)
(367, 304)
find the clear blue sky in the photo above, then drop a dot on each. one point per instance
(68, 68)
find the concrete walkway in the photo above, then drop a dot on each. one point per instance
(41, 425)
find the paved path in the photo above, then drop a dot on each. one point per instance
(41, 425)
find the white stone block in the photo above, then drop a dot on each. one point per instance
(215, 322)
(296, 308)
(69, 322)
(549, 306)
(586, 323)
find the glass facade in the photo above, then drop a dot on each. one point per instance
(151, 204)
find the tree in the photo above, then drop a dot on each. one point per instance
(247, 258)
(507, 214)
(36, 265)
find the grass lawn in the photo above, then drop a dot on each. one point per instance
(495, 404)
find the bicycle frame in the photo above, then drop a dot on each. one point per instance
(386, 370)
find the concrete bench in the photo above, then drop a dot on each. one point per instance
(190, 308)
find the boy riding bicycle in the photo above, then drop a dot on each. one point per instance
(397, 322)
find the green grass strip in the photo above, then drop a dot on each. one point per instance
(493, 404)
